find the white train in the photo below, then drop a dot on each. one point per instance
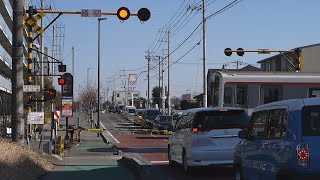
(251, 89)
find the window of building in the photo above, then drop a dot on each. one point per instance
(228, 95)
(269, 66)
(118, 95)
(241, 95)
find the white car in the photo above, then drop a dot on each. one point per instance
(128, 112)
(206, 136)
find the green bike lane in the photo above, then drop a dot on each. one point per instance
(91, 159)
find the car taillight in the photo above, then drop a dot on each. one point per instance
(199, 131)
(303, 155)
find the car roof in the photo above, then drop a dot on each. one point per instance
(292, 104)
(195, 110)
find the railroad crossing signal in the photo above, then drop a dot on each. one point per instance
(123, 13)
(33, 22)
(61, 81)
(49, 94)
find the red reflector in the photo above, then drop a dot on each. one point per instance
(303, 155)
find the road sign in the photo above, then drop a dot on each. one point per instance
(31, 88)
(36, 118)
(56, 115)
(66, 110)
(90, 12)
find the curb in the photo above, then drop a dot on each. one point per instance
(135, 166)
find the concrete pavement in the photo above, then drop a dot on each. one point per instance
(91, 159)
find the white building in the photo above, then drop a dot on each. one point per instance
(119, 97)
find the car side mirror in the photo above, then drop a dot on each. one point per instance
(243, 134)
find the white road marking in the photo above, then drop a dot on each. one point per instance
(157, 136)
(115, 139)
(159, 162)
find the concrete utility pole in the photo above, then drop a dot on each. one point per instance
(168, 96)
(88, 77)
(148, 57)
(205, 103)
(17, 121)
(162, 88)
(42, 63)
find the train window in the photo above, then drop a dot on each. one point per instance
(314, 92)
(228, 95)
(241, 98)
(271, 94)
(216, 91)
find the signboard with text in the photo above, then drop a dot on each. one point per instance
(31, 88)
(66, 110)
(90, 12)
(36, 118)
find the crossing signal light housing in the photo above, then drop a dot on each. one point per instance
(62, 68)
(123, 13)
(144, 14)
(61, 81)
(49, 94)
(240, 52)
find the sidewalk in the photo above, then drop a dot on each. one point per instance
(91, 159)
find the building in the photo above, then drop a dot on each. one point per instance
(119, 97)
(280, 62)
(186, 97)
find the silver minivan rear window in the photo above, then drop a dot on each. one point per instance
(223, 119)
(311, 121)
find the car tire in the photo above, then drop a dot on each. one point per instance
(171, 163)
(237, 173)
(187, 169)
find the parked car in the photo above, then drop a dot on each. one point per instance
(162, 122)
(282, 142)
(148, 116)
(138, 117)
(206, 136)
(128, 112)
(175, 117)
(110, 109)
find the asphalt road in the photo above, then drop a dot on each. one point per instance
(151, 148)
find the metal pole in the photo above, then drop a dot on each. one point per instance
(205, 104)
(73, 61)
(67, 124)
(88, 77)
(17, 121)
(169, 103)
(53, 46)
(162, 88)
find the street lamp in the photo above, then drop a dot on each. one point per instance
(98, 122)
(88, 77)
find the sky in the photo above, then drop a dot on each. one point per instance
(249, 24)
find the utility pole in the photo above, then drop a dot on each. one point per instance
(53, 36)
(148, 59)
(168, 96)
(73, 61)
(42, 63)
(204, 104)
(162, 88)
(17, 121)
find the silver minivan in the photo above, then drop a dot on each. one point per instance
(206, 136)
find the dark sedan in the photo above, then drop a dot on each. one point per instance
(163, 122)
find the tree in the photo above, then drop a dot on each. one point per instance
(156, 92)
(88, 97)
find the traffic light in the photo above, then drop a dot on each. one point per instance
(123, 13)
(62, 68)
(49, 94)
(228, 51)
(29, 99)
(61, 81)
(144, 14)
(240, 52)
(297, 59)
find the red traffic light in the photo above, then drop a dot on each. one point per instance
(123, 13)
(61, 81)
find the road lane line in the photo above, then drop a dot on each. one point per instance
(108, 132)
(157, 137)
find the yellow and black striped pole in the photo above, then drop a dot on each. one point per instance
(30, 44)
